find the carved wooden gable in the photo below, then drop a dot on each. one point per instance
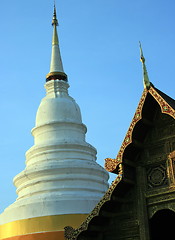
(145, 182)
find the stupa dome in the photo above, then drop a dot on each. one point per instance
(58, 108)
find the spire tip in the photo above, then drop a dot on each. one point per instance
(142, 59)
(54, 19)
(56, 66)
(146, 81)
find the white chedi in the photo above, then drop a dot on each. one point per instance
(61, 174)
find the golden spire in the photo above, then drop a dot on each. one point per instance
(55, 24)
(56, 66)
(146, 81)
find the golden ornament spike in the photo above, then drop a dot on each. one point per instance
(146, 81)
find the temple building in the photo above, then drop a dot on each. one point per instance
(140, 203)
(62, 181)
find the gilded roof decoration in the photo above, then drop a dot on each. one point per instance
(146, 81)
(115, 165)
(111, 164)
(165, 107)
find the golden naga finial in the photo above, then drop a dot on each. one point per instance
(146, 81)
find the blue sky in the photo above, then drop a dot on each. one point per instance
(100, 53)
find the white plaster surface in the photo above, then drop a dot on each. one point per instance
(61, 174)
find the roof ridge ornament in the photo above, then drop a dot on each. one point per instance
(146, 82)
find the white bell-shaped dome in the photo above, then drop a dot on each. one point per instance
(58, 108)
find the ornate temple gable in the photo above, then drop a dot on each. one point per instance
(131, 164)
(158, 144)
(167, 106)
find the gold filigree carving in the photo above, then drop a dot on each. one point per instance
(116, 164)
(165, 107)
(111, 164)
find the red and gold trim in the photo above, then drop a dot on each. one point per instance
(112, 164)
(165, 107)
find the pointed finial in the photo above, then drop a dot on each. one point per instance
(54, 19)
(146, 81)
(56, 65)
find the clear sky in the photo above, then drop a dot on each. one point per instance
(100, 53)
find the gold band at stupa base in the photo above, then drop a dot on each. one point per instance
(50, 226)
(58, 235)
